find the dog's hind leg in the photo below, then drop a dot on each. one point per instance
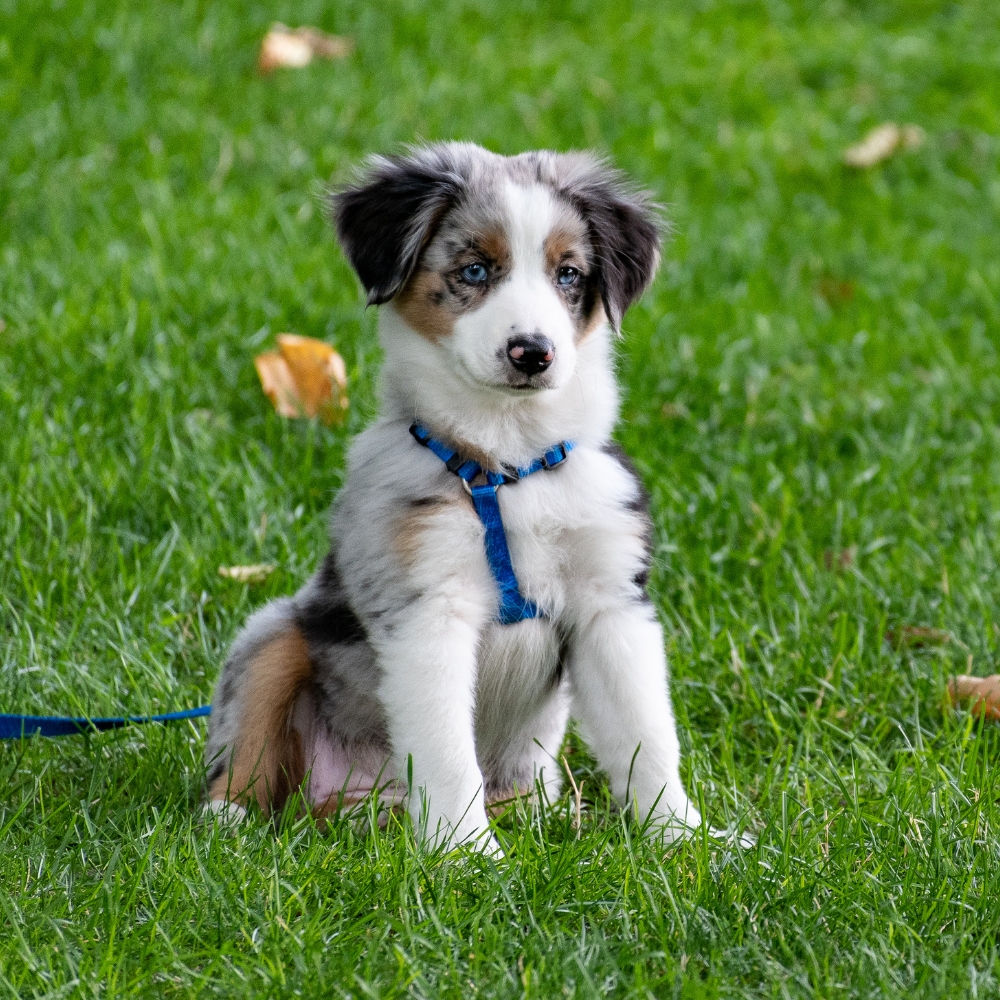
(532, 757)
(254, 752)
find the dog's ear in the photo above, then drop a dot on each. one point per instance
(625, 229)
(386, 218)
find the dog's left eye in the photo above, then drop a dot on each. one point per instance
(474, 274)
(568, 276)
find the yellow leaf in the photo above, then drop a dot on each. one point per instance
(306, 377)
(296, 47)
(248, 574)
(276, 381)
(984, 692)
(881, 142)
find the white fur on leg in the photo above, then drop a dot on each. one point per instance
(622, 702)
(428, 690)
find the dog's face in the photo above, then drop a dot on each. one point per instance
(505, 264)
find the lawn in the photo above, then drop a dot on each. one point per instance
(812, 394)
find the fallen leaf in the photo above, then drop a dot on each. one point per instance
(842, 560)
(675, 411)
(913, 136)
(296, 47)
(304, 377)
(916, 636)
(881, 142)
(984, 692)
(248, 574)
(276, 381)
(835, 291)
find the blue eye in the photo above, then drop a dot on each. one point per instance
(567, 276)
(474, 274)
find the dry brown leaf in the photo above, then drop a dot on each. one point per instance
(881, 142)
(842, 559)
(675, 410)
(296, 47)
(248, 574)
(984, 692)
(836, 292)
(917, 636)
(304, 377)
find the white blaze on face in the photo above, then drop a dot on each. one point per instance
(525, 303)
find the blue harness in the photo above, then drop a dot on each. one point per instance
(514, 606)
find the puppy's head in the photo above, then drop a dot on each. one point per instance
(506, 264)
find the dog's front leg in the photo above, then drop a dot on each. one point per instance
(428, 661)
(621, 700)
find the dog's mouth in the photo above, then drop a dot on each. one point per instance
(520, 383)
(525, 387)
(509, 383)
(520, 389)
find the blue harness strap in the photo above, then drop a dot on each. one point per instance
(514, 606)
(14, 727)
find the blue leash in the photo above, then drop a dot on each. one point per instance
(15, 727)
(514, 606)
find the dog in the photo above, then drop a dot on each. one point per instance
(490, 547)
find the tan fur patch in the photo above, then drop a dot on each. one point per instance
(593, 321)
(569, 246)
(493, 243)
(268, 762)
(468, 450)
(421, 304)
(408, 540)
(565, 246)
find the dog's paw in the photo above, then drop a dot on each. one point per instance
(744, 840)
(490, 846)
(226, 815)
(670, 831)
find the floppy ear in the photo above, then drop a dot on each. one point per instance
(385, 220)
(625, 230)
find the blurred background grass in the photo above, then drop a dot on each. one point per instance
(812, 395)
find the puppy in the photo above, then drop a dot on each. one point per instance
(490, 548)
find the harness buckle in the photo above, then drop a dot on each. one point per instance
(560, 453)
(484, 480)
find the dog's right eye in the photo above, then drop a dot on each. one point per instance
(474, 274)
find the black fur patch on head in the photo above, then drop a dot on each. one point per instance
(624, 228)
(386, 219)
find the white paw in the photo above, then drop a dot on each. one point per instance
(228, 815)
(675, 822)
(670, 829)
(745, 840)
(491, 847)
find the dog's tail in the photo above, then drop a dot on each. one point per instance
(253, 751)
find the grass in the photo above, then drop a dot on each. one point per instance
(812, 394)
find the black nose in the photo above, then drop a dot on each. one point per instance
(531, 355)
